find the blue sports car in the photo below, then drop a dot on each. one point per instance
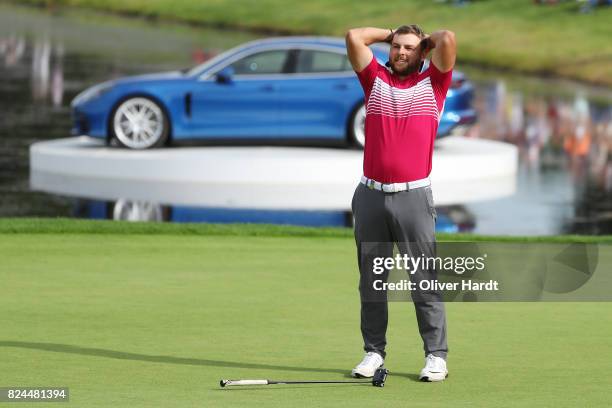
(287, 90)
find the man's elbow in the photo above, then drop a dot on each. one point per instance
(448, 37)
(350, 35)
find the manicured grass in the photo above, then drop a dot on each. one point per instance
(516, 35)
(126, 317)
(21, 225)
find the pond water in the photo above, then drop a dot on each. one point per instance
(563, 129)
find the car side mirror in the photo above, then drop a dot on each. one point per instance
(225, 75)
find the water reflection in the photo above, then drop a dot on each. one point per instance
(450, 218)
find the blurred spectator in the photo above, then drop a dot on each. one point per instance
(589, 5)
(455, 2)
(199, 55)
(57, 77)
(585, 5)
(47, 72)
(12, 48)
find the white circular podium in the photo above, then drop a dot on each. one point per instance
(464, 170)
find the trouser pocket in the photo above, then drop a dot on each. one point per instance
(430, 202)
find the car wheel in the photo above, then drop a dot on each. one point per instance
(139, 123)
(357, 126)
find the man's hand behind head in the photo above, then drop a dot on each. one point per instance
(427, 45)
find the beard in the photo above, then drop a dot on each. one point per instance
(405, 69)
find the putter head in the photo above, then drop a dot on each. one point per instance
(380, 376)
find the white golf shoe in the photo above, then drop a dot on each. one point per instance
(434, 370)
(366, 369)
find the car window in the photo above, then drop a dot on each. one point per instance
(265, 62)
(321, 61)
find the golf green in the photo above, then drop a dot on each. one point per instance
(144, 320)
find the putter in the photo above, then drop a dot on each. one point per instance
(380, 376)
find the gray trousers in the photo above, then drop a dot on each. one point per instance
(406, 219)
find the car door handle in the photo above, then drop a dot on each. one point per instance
(267, 88)
(341, 87)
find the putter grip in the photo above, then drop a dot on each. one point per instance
(228, 383)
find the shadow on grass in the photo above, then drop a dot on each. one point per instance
(121, 355)
(410, 376)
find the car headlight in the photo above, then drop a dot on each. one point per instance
(93, 92)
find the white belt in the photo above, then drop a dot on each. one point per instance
(395, 187)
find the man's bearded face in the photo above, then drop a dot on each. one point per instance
(405, 54)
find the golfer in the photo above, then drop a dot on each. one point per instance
(394, 202)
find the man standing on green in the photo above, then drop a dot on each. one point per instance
(394, 201)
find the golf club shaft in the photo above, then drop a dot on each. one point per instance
(320, 382)
(228, 383)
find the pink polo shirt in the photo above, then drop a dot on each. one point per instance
(402, 118)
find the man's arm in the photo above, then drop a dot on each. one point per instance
(357, 42)
(444, 49)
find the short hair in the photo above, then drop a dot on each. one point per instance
(410, 29)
